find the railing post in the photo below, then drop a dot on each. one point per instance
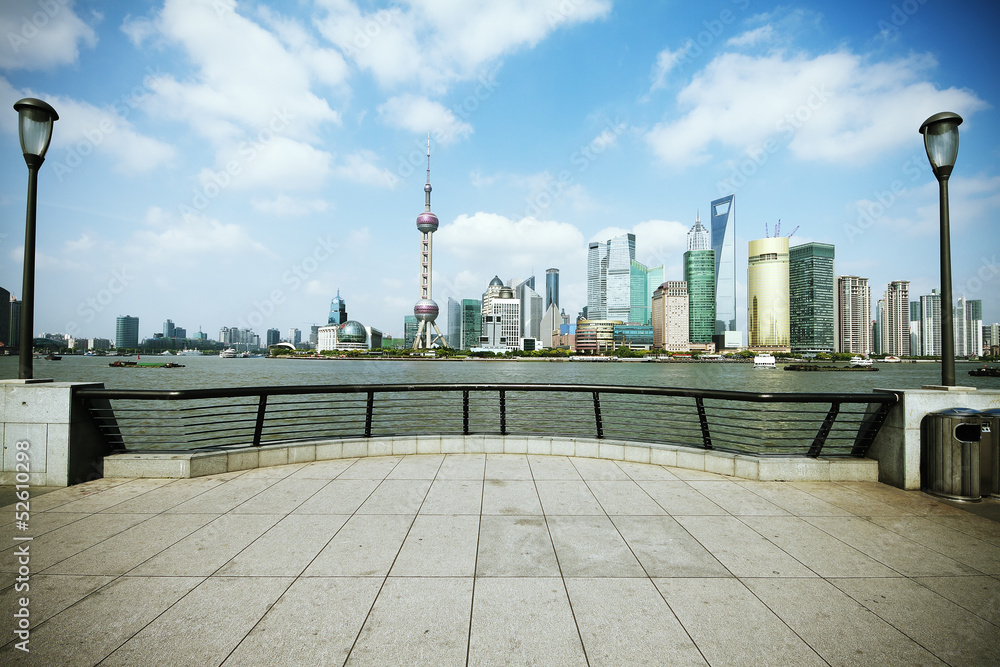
(706, 436)
(370, 408)
(869, 428)
(824, 430)
(465, 412)
(597, 415)
(503, 412)
(259, 427)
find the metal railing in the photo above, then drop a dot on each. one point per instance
(732, 421)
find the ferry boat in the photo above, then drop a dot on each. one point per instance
(764, 361)
(892, 360)
(228, 353)
(861, 361)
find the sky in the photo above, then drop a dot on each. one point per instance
(224, 163)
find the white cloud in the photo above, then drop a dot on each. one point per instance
(836, 107)
(764, 33)
(285, 206)
(360, 167)
(419, 115)
(281, 163)
(666, 61)
(42, 35)
(177, 241)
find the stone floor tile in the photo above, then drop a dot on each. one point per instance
(515, 547)
(907, 501)
(55, 499)
(417, 467)
(791, 499)
(463, 466)
(210, 547)
(282, 497)
(836, 626)
(624, 498)
(730, 626)
(687, 474)
(328, 469)
(975, 553)
(225, 497)
(590, 546)
(40, 524)
(165, 497)
(599, 469)
(95, 502)
(626, 622)
(822, 553)
(287, 548)
(646, 472)
(71, 539)
(510, 497)
(567, 497)
(47, 596)
(190, 632)
(439, 546)
(970, 524)
(340, 496)
(956, 636)
(454, 496)
(377, 467)
(507, 467)
(366, 546)
(980, 595)
(848, 500)
(665, 549)
(678, 498)
(315, 622)
(417, 621)
(396, 496)
(523, 621)
(891, 549)
(741, 549)
(552, 468)
(735, 499)
(87, 632)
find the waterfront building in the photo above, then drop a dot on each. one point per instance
(597, 264)
(634, 336)
(852, 308)
(810, 297)
(501, 324)
(294, 336)
(350, 335)
(896, 330)
(551, 321)
(595, 336)
(410, 325)
(930, 324)
(168, 329)
(98, 344)
(242, 340)
(425, 310)
(15, 322)
(991, 335)
(338, 310)
(313, 335)
(180, 332)
(671, 318)
(915, 328)
(126, 332)
(472, 323)
(454, 323)
(492, 292)
(724, 245)
(273, 337)
(699, 274)
(968, 316)
(4, 317)
(531, 311)
(551, 288)
(621, 253)
(698, 237)
(767, 294)
(643, 282)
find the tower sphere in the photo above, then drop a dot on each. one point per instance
(427, 222)
(425, 310)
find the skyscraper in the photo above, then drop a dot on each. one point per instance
(338, 311)
(643, 282)
(698, 237)
(968, 315)
(4, 317)
(472, 324)
(501, 323)
(767, 293)
(621, 252)
(410, 325)
(853, 308)
(168, 329)
(531, 310)
(551, 288)
(15, 322)
(895, 331)
(724, 245)
(597, 257)
(273, 337)
(671, 317)
(930, 324)
(454, 323)
(127, 332)
(425, 310)
(915, 318)
(699, 274)
(810, 297)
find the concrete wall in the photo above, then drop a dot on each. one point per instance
(62, 449)
(897, 447)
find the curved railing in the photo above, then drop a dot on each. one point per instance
(734, 421)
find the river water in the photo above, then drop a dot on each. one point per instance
(211, 371)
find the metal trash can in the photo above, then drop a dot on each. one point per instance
(989, 453)
(950, 454)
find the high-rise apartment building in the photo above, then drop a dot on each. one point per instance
(294, 336)
(338, 311)
(670, 316)
(968, 316)
(767, 293)
(991, 334)
(699, 238)
(126, 332)
(4, 317)
(273, 337)
(551, 288)
(699, 274)
(724, 245)
(930, 324)
(853, 314)
(915, 328)
(895, 332)
(810, 297)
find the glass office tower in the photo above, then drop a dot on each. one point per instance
(767, 293)
(724, 245)
(810, 295)
(699, 274)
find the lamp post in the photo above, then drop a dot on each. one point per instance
(35, 131)
(941, 142)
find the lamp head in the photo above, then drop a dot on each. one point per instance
(941, 142)
(34, 128)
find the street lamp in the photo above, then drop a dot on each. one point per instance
(35, 131)
(941, 141)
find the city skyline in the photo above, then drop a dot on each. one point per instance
(244, 173)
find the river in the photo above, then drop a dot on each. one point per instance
(211, 371)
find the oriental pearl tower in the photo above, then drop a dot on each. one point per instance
(425, 310)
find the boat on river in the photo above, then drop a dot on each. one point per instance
(986, 372)
(144, 364)
(764, 361)
(861, 361)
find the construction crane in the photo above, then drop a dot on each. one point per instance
(777, 229)
(794, 230)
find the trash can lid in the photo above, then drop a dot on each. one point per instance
(992, 412)
(959, 412)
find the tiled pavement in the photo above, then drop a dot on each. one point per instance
(500, 560)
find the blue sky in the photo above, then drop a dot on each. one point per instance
(235, 164)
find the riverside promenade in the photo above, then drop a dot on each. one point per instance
(500, 559)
